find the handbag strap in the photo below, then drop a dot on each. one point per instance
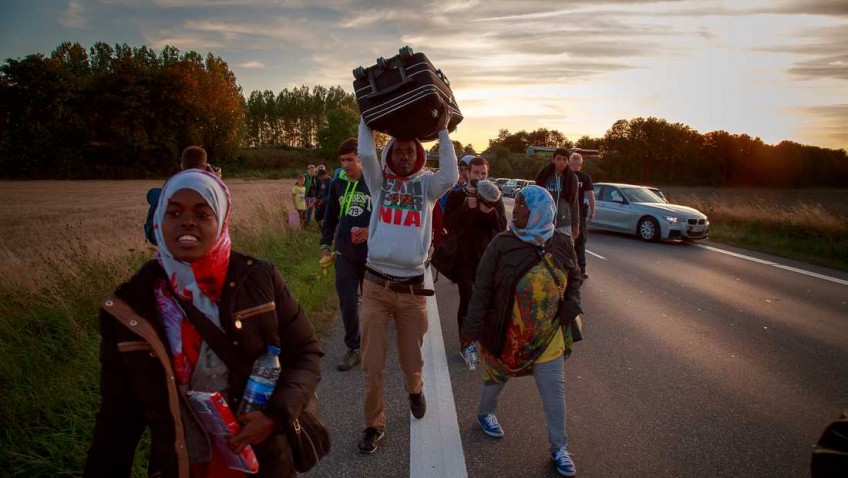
(216, 339)
(549, 268)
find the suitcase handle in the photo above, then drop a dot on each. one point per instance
(403, 76)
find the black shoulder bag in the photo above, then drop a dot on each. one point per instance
(307, 435)
(577, 322)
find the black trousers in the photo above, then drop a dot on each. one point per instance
(349, 276)
(580, 244)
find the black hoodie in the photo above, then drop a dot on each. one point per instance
(348, 206)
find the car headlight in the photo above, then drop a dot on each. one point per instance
(672, 219)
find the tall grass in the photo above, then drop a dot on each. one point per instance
(803, 231)
(54, 271)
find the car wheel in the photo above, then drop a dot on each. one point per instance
(648, 229)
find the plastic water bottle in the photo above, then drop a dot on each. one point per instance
(262, 381)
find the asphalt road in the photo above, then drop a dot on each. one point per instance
(694, 363)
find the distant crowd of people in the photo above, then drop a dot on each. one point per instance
(381, 218)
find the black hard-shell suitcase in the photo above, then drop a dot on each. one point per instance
(402, 96)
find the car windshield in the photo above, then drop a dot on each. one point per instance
(641, 195)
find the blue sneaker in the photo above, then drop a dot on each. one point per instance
(562, 462)
(489, 424)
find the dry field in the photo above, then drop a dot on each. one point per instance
(46, 221)
(830, 200)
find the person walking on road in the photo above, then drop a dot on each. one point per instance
(346, 225)
(586, 198)
(403, 195)
(515, 315)
(561, 183)
(310, 182)
(473, 224)
(323, 185)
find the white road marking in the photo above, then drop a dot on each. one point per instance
(774, 264)
(435, 446)
(596, 255)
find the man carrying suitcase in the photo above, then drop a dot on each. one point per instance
(403, 195)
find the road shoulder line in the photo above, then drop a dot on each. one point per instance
(774, 264)
(435, 445)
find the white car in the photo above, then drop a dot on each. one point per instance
(638, 210)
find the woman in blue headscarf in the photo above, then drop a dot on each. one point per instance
(513, 315)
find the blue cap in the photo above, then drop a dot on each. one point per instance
(273, 350)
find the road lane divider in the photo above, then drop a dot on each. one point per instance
(596, 255)
(774, 264)
(435, 445)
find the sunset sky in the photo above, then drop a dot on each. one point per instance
(774, 69)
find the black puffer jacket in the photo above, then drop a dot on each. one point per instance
(137, 383)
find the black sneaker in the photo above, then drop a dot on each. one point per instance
(370, 437)
(351, 358)
(585, 275)
(417, 404)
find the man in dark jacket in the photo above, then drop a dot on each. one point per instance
(562, 183)
(473, 224)
(586, 198)
(323, 187)
(346, 223)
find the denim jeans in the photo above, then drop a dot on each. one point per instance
(349, 276)
(550, 380)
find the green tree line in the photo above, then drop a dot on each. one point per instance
(114, 111)
(121, 111)
(654, 151)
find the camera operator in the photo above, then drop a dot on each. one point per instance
(474, 214)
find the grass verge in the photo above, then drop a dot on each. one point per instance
(805, 231)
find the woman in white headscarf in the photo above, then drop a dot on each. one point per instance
(152, 354)
(513, 315)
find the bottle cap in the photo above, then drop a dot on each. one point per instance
(273, 350)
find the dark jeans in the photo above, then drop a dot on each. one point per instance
(349, 276)
(580, 244)
(564, 256)
(465, 283)
(309, 209)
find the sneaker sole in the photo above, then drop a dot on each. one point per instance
(368, 452)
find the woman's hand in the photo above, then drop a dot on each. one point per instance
(256, 427)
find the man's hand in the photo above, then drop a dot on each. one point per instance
(358, 235)
(486, 209)
(256, 427)
(445, 117)
(325, 253)
(472, 202)
(576, 232)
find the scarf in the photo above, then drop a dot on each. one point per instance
(199, 282)
(540, 224)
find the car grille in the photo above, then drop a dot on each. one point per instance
(696, 222)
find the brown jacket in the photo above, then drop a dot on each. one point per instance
(137, 383)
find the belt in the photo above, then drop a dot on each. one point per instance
(417, 289)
